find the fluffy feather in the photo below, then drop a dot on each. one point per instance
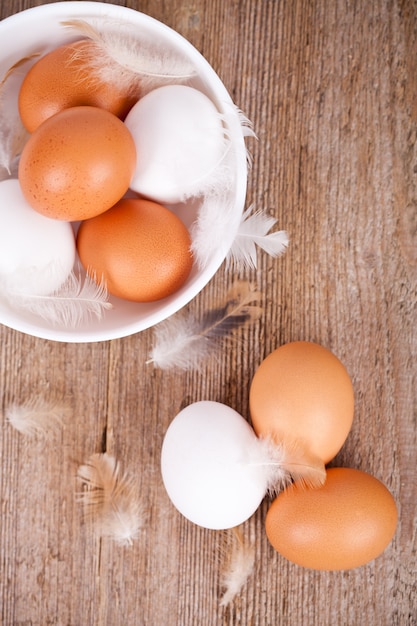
(284, 460)
(254, 231)
(38, 417)
(239, 567)
(78, 299)
(184, 342)
(119, 57)
(109, 499)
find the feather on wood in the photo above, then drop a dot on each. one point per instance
(254, 232)
(238, 567)
(38, 417)
(184, 342)
(109, 499)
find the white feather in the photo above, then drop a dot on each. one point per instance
(254, 231)
(38, 417)
(239, 567)
(78, 299)
(283, 460)
(183, 342)
(109, 499)
(178, 343)
(131, 61)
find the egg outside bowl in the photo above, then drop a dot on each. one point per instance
(39, 30)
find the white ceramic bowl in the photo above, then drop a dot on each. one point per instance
(39, 30)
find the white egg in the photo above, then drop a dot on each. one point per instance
(179, 138)
(207, 469)
(36, 253)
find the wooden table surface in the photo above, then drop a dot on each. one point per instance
(331, 89)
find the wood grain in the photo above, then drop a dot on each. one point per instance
(331, 89)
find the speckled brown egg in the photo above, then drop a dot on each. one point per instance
(77, 164)
(302, 392)
(344, 524)
(63, 78)
(140, 248)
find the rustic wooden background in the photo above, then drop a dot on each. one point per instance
(331, 87)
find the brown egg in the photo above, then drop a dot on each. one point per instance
(346, 523)
(77, 164)
(139, 247)
(62, 79)
(302, 391)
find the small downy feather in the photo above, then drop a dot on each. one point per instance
(254, 231)
(284, 460)
(109, 499)
(239, 566)
(184, 342)
(135, 64)
(78, 299)
(39, 417)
